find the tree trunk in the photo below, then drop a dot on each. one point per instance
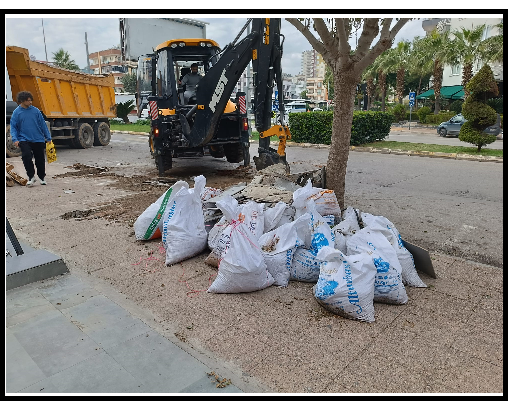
(437, 84)
(383, 86)
(125, 118)
(418, 93)
(345, 91)
(370, 93)
(400, 84)
(466, 77)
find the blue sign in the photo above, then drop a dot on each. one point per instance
(412, 103)
(412, 96)
(276, 94)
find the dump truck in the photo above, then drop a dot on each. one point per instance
(76, 106)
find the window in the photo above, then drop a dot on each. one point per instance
(455, 69)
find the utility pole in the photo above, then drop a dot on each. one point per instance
(44, 39)
(87, 52)
(99, 64)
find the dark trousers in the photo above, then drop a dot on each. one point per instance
(36, 150)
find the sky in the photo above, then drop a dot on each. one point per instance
(103, 33)
(68, 32)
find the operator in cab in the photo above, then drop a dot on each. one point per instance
(191, 81)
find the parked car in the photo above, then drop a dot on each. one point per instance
(317, 109)
(453, 126)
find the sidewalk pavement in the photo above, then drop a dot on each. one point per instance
(64, 335)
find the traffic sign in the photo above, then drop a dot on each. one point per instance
(276, 94)
(412, 103)
(412, 96)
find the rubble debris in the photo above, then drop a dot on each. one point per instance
(9, 181)
(20, 180)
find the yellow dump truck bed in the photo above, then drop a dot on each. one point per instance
(60, 93)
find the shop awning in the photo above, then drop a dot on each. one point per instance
(451, 92)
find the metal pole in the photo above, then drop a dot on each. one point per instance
(248, 96)
(87, 52)
(44, 39)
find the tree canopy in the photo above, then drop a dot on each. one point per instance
(62, 59)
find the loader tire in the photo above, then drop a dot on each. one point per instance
(84, 136)
(11, 149)
(234, 152)
(163, 163)
(101, 134)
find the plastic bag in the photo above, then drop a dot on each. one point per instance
(242, 267)
(346, 284)
(278, 247)
(184, 233)
(381, 224)
(325, 200)
(51, 155)
(149, 224)
(388, 285)
(305, 265)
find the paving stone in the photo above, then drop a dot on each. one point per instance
(104, 321)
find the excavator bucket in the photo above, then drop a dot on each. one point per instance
(268, 156)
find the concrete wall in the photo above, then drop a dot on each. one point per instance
(140, 35)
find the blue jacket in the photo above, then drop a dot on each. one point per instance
(28, 124)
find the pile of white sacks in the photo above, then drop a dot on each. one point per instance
(254, 247)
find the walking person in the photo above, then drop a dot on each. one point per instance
(29, 132)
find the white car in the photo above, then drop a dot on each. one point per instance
(317, 109)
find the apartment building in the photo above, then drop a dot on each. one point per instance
(109, 61)
(312, 64)
(452, 75)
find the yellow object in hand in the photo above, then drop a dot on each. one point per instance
(51, 155)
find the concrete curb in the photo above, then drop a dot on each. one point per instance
(480, 158)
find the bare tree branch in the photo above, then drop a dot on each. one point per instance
(343, 39)
(316, 44)
(325, 35)
(369, 32)
(384, 43)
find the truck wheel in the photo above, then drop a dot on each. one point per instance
(84, 136)
(233, 152)
(101, 134)
(11, 149)
(216, 151)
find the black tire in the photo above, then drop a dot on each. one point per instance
(246, 157)
(101, 134)
(443, 132)
(11, 149)
(216, 151)
(163, 163)
(84, 136)
(234, 152)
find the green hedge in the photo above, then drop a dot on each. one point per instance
(438, 118)
(315, 127)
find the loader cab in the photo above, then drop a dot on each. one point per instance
(172, 61)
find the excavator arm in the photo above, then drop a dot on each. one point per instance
(262, 47)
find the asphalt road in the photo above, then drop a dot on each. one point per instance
(444, 205)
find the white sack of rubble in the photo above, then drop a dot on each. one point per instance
(242, 267)
(346, 284)
(279, 245)
(325, 200)
(184, 233)
(273, 215)
(305, 265)
(388, 285)
(381, 224)
(150, 223)
(250, 213)
(345, 229)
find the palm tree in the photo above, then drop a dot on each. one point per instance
(440, 48)
(397, 60)
(368, 76)
(420, 61)
(383, 67)
(494, 46)
(469, 47)
(62, 59)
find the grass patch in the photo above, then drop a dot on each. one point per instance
(130, 127)
(255, 136)
(411, 146)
